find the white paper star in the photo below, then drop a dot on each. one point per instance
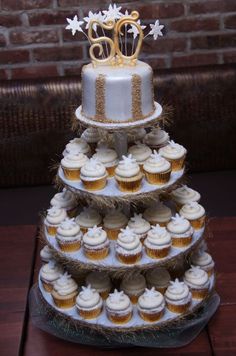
(156, 29)
(74, 25)
(113, 12)
(134, 30)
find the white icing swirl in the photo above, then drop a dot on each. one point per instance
(65, 285)
(95, 236)
(46, 253)
(50, 272)
(138, 224)
(128, 240)
(91, 135)
(106, 156)
(99, 280)
(192, 211)
(202, 259)
(140, 152)
(68, 227)
(55, 215)
(134, 284)
(172, 151)
(177, 291)
(74, 160)
(178, 225)
(151, 299)
(158, 277)
(156, 164)
(64, 199)
(156, 137)
(128, 167)
(88, 217)
(185, 195)
(157, 237)
(136, 134)
(93, 169)
(115, 220)
(157, 213)
(196, 277)
(77, 145)
(88, 298)
(118, 301)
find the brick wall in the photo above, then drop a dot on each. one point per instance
(34, 42)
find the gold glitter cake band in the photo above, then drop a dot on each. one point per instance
(100, 97)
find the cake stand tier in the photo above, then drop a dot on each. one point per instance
(111, 193)
(118, 126)
(77, 261)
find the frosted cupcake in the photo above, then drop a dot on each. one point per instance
(100, 281)
(46, 254)
(184, 195)
(65, 291)
(96, 243)
(175, 154)
(65, 200)
(157, 169)
(158, 242)
(151, 305)
(178, 297)
(128, 175)
(91, 135)
(89, 303)
(133, 285)
(88, 217)
(71, 165)
(69, 236)
(198, 282)
(93, 175)
(77, 145)
(159, 278)
(156, 138)
(139, 225)
(203, 260)
(195, 213)
(53, 219)
(158, 214)
(140, 152)
(135, 135)
(109, 158)
(128, 247)
(113, 222)
(118, 307)
(49, 273)
(181, 231)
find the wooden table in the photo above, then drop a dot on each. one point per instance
(19, 268)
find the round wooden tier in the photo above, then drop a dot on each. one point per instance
(118, 126)
(111, 192)
(77, 261)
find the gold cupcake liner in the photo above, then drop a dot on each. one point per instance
(99, 254)
(111, 171)
(64, 303)
(177, 164)
(158, 178)
(133, 298)
(199, 293)
(198, 223)
(72, 212)
(112, 234)
(104, 294)
(181, 241)
(151, 317)
(129, 259)
(48, 287)
(69, 247)
(51, 230)
(119, 319)
(98, 184)
(178, 308)
(178, 206)
(71, 174)
(130, 185)
(160, 253)
(90, 314)
(162, 290)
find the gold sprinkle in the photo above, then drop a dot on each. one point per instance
(136, 97)
(100, 97)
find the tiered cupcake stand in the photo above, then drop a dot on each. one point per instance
(172, 329)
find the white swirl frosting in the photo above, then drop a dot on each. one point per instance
(107, 156)
(196, 277)
(99, 280)
(138, 224)
(134, 284)
(178, 225)
(55, 215)
(156, 164)
(91, 135)
(184, 194)
(202, 259)
(128, 240)
(157, 237)
(88, 298)
(68, 227)
(50, 272)
(95, 236)
(74, 160)
(136, 134)
(157, 213)
(156, 137)
(140, 152)
(127, 167)
(46, 253)
(64, 199)
(115, 220)
(158, 277)
(93, 169)
(151, 299)
(118, 301)
(88, 217)
(192, 211)
(172, 150)
(77, 145)
(65, 285)
(177, 291)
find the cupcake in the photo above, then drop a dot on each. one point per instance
(128, 175)
(49, 273)
(91, 135)
(118, 307)
(65, 200)
(109, 158)
(140, 152)
(139, 225)
(113, 222)
(128, 247)
(69, 236)
(53, 219)
(178, 297)
(77, 145)
(133, 285)
(156, 138)
(93, 175)
(89, 217)
(198, 282)
(175, 154)
(46, 254)
(203, 260)
(181, 231)
(96, 243)
(184, 195)
(71, 165)
(158, 214)
(157, 169)
(151, 305)
(65, 291)
(89, 303)
(135, 135)
(195, 213)
(158, 242)
(100, 281)
(159, 278)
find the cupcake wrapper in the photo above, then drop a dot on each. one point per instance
(69, 247)
(133, 298)
(71, 174)
(112, 234)
(72, 212)
(98, 184)
(111, 171)
(199, 293)
(119, 319)
(130, 187)
(64, 303)
(51, 230)
(181, 241)
(129, 259)
(180, 308)
(90, 314)
(47, 286)
(105, 294)
(176, 164)
(152, 316)
(162, 290)
(178, 206)
(158, 178)
(160, 253)
(198, 223)
(96, 254)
